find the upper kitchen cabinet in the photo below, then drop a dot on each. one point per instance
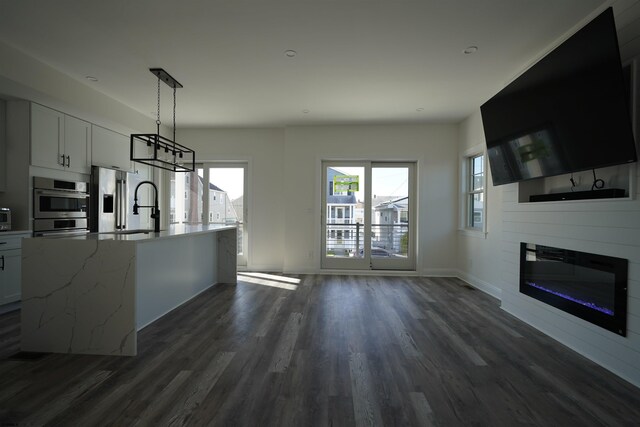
(59, 141)
(110, 149)
(77, 144)
(47, 137)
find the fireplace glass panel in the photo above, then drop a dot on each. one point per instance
(590, 286)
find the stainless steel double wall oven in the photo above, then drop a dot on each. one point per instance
(60, 207)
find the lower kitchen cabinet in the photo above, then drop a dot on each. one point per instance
(10, 267)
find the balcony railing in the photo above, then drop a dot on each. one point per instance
(347, 240)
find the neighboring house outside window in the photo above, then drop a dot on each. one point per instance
(390, 222)
(221, 207)
(343, 232)
(475, 217)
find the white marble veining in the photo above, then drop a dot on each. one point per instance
(227, 256)
(91, 294)
(78, 298)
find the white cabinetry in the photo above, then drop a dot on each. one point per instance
(59, 141)
(47, 136)
(110, 149)
(77, 144)
(10, 265)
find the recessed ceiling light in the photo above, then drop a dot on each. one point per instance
(91, 78)
(469, 50)
(290, 53)
(419, 110)
(306, 111)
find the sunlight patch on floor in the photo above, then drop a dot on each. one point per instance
(272, 280)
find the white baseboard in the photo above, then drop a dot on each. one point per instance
(485, 287)
(303, 271)
(265, 268)
(439, 272)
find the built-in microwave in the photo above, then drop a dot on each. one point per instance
(53, 198)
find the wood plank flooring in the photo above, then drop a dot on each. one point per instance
(334, 351)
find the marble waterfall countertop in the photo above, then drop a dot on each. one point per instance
(91, 294)
(141, 236)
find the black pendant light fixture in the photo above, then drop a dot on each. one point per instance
(154, 149)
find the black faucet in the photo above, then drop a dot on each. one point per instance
(155, 210)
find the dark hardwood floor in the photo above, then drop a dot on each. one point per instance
(336, 350)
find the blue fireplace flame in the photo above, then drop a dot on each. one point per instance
(570, 298)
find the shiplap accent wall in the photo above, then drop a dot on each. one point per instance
(602, 227)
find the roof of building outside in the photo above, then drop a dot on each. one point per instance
(212, 186)
(393, 203)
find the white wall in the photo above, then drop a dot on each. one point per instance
(603, 227)
(285, 185)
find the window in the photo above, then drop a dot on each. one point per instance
(475, 194)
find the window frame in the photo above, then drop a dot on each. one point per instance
(468, 192)
(472, 191)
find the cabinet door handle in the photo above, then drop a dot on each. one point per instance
(3, 243)
(2, 259)
(62, 156)
(68, 161)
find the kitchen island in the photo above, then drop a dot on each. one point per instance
(91, 294)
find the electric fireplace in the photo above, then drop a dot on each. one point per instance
(590, 286)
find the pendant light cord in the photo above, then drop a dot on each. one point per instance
(158, 116)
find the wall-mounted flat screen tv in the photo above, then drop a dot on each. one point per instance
(567, 113)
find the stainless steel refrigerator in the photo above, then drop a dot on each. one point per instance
(112, 193)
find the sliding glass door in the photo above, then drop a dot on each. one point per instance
(368, 215)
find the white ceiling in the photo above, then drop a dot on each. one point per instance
(358, 61)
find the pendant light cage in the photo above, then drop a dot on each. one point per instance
(156, 150)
